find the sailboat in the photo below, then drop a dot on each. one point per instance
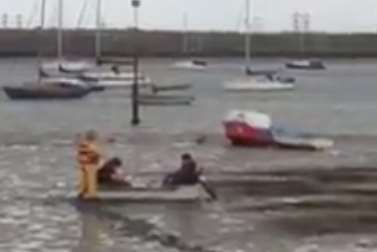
(113, 77)
(258, 80)
(69, 68)
(47, 88)
(190, 64)
(304, 63)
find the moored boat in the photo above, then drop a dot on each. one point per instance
(302, 143)
(165, 100)
(48, 89)
(112, 80)
(312, 64)
(111, 76)
(255, 85)
(74, 66)
(251, 128)
(198, 65)
(170, 87)
(248, 128)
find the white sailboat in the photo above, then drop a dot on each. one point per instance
(255, 82)
(189, 64)
(113, 77)
(304, 63)
(60, 64)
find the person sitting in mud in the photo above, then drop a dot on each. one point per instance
(111, 174)
(188, 174)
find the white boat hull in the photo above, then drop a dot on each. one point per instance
(121, 84)
(254, 85)
(189, 65)
(111, 76)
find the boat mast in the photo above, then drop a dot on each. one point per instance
(60, 31)
(247, 35)
(40, 33)
(99, 30)
(185, 35)
(43, 13)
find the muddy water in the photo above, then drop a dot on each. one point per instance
(269, 200)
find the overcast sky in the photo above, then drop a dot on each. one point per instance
(274, 15)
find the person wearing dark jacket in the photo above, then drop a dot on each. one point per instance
(188, 174)
(111, 174)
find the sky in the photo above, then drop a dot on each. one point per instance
(222, 15)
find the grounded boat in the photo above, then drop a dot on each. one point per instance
(255, 85)
(165, 100)
(74, 66)
(170, 87)
(302, 143)
(250, 128)
(112, 80)
(252, 82)
(198, 65)
(179, 194)
(48, 89)
(118, 84)
(306, 65)
(251, 72)
(111, 76)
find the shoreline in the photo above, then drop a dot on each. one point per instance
(163, 43)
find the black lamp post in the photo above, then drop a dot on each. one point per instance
(135, 87)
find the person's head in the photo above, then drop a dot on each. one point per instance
(186, 157)
(115, 162)
(91, 135)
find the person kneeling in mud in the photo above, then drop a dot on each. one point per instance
(111, 174)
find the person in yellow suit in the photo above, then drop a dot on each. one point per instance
(89, 158)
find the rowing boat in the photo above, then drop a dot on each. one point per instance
(179, 194)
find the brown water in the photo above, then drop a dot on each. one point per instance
(270, 200)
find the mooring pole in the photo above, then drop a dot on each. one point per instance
(135, 87)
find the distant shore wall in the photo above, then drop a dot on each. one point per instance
(80, 43)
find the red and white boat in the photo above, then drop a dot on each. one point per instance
(255, 129)
(248, 128)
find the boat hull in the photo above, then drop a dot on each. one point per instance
(307, 65)
(258, 87)
(165, 102)
(24, 93)
(191, 65)
(242, 134)
(180, 194)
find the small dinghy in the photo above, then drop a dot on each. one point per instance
(166, 100)
(74, 66)
(303, 143)
(171, 87)
(255, 85)
(198, 65)
(252, 72)
(111, 76)
(312, 64)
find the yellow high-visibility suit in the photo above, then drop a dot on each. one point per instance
(89, 157)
